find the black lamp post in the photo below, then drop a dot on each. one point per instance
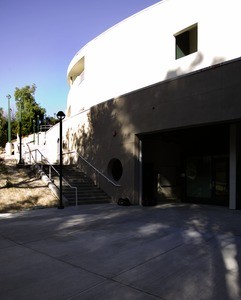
(9, 144)
(60, 116)
(9, 119)
(20, 162)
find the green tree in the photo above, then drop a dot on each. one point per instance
(14, 127)
(27, 108)
(51, 120)
(3, 128)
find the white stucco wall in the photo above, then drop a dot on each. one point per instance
(70, 129)
(140, 50)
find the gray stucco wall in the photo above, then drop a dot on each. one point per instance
(209, 96)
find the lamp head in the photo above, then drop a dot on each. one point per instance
(60, 115)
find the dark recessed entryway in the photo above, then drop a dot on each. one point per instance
(190, 165)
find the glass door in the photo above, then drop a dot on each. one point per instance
(220, 185)
(207, 180)
(198, 179)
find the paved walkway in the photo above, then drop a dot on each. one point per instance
(112, 252)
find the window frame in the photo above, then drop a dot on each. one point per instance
(186, 41)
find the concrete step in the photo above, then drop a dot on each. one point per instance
(88, 192)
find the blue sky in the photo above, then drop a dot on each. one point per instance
(39, 38)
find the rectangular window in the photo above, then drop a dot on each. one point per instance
(186, 41)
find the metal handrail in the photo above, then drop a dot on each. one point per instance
(93, 167)
(52, 167)
(45, 127)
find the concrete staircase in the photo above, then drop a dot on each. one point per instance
(88, 192)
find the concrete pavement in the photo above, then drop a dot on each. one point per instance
(171, 251)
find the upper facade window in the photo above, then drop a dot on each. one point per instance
(76, 75)
(186, 41)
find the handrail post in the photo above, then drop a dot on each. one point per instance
(50, 169)
(93, 168)
(99, 173)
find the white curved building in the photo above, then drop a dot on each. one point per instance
(154, 104)
(142, 50)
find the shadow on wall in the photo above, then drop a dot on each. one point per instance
(194, 66)
(111, 129)
(114, 122)
(101, 140)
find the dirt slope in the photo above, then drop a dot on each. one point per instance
(20, 188)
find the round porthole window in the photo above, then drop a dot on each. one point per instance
(115, 169)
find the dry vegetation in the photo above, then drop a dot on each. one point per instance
(21, 189)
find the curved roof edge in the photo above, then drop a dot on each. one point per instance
(81, 51)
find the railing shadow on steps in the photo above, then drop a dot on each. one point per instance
(39, 159)
(95, 170)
